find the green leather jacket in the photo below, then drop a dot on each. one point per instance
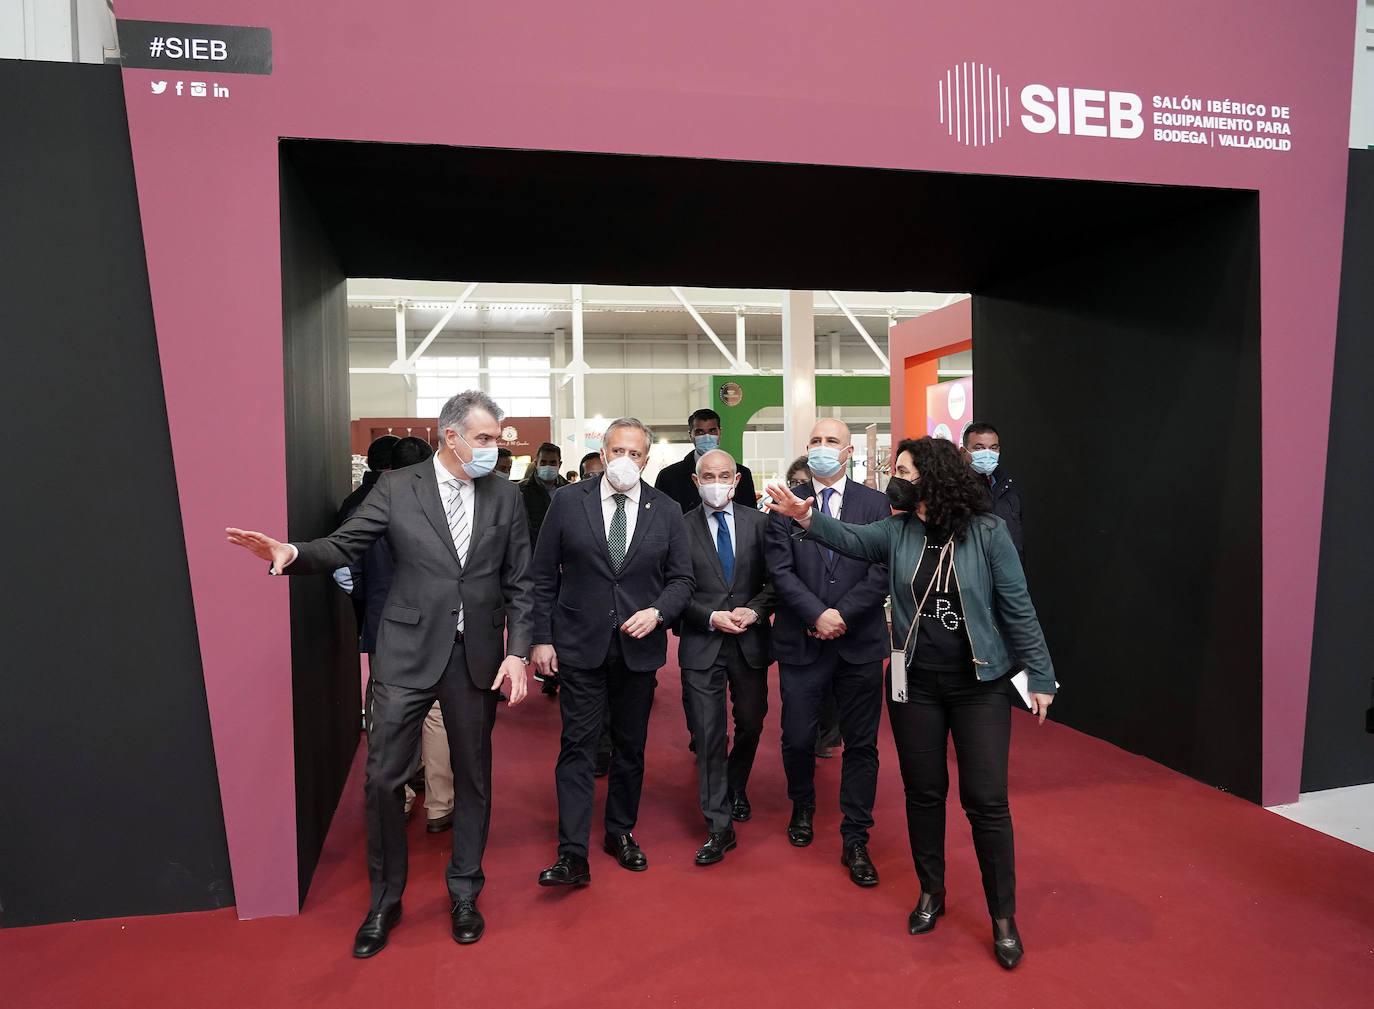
(998, 614)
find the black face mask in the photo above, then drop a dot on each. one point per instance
(902, 494)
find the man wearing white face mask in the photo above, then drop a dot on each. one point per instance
(612, 568)
(982, 449)
(455, 628)
(725, 641)
(703, 427)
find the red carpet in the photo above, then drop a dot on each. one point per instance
(1137, 887)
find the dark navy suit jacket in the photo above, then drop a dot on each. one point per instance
(807, 582)
(580, 601)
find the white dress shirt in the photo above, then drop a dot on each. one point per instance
(631, 508)
(836, 499)
(713, 517)
(465, 492)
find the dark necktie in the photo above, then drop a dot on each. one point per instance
(615, 542)
(725, 548)
(826, 495)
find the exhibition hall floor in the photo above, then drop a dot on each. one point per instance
(1137, 887)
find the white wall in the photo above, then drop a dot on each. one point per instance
(62, 31)
(1362, 87)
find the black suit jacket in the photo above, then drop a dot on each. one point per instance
(579, 601)
(676, 482)
(371, 574)
(699, 644)
(1005, 495)
(807, 583)
(418, 620)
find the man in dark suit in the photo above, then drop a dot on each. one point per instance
(724, 638)
(539, 483)
(462, 584)
(830, 632)
(611, 570)
(982, 449)
(676, 480)
(368, 580)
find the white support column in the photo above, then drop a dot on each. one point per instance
(579, 375)
(739, 340)
(559, 360)
(401, 344)
(798, 369)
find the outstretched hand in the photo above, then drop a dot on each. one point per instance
(786, 503)
(263, 546)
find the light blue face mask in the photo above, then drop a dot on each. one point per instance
(706, 443)
(546, 473)
(483, 460)
(985, 460)
(823, 461)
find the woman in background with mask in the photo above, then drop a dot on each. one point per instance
(960, 610)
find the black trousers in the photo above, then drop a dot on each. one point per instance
(583, 695)
(859, 693)
(718, 774)
(395, 716)
(977, 713)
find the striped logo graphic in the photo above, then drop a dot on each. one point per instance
(974, 105)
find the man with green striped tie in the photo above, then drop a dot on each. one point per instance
(612, 569)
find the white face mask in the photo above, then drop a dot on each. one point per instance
(622, 472)
(715, 494)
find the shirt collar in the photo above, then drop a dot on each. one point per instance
(444, 476)
(729, 509)
(607, 491)
(838, 488)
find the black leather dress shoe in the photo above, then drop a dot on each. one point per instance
(929, 907)
(373, 932)
(740, 810)
(439, 824)
(468, 924)
(569, 870)
(626, 851)
(861, 869)
(718, 842)
(1006, 942)
(799, 829)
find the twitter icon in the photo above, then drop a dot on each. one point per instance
(159, 87)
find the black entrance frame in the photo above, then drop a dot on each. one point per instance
(1116, 346)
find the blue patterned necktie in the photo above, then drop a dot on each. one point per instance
(826, 495)
(725, 548)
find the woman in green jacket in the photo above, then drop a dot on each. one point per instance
(960, 612)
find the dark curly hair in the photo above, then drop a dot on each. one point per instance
(948, 486)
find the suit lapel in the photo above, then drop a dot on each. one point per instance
(596, 519)
(646, 516)
(427, 491)
(744, 536)
(481, 512)
(703, 535)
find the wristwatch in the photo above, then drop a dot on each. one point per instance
(658, 614)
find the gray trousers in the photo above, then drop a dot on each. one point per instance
(704, 691)
(395, 716)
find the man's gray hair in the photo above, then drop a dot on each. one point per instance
(455, 412)
(717, 451)
(634, 422)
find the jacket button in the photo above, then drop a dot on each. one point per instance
(453, 613)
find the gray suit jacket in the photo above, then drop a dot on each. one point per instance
(699, 645)
(494, 588)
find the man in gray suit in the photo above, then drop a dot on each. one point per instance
(725, 639)
(456, 627)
